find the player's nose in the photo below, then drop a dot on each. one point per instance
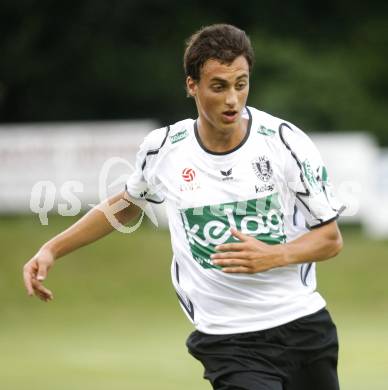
(231, 98)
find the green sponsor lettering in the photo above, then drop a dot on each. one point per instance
(264, 131)
(209, 226)
(310, 177)
(179, 136)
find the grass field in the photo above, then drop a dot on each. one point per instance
(115, 322)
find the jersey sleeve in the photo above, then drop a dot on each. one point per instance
(307, 177)
(143, 182)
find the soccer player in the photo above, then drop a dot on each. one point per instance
(250, 211)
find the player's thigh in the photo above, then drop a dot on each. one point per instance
(247, 381)
(319, 375)
(233, 362)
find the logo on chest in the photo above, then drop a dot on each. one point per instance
(209, 226)
(190, 182)
(227, 175)
(262, 168)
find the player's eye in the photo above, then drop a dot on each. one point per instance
(241, 85)
(217, 87)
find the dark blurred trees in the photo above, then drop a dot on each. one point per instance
(319, 64)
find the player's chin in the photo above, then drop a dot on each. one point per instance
(229, 125)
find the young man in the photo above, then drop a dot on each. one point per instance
(250, 210)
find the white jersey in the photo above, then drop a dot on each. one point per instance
(273, 186)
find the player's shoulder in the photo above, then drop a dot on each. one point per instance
(167, 136)
(275, 129)
(180, 133)
(264, 124)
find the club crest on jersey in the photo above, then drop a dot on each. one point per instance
(189, 178)
(262, 168)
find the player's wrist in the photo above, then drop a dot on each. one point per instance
(50, 249)
(285, 255)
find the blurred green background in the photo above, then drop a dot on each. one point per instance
(115, 321)
(321, 65)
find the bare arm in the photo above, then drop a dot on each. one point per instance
(91, 227)
(251, 256)
(318, 244)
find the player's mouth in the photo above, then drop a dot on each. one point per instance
(230, 116)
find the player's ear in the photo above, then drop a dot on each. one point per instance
(191, 87)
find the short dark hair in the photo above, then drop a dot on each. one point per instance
(221, 42)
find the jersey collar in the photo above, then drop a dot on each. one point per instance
(231, 150)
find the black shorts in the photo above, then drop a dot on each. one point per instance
(299, 355)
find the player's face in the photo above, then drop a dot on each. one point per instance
(221, 93)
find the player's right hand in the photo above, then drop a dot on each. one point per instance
(35, 272)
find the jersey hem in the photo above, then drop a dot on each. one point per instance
(255, 328)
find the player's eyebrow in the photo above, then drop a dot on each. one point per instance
(220, 79)
(244, 75)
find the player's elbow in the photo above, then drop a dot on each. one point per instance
(336, 243)
(333, 242)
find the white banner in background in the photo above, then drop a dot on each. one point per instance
(58, 168)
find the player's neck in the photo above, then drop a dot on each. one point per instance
(221, 140)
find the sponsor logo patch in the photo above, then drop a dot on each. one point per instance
(264, 131)
(179, 136)
(264, 188)
(209, 226)
(312, 181)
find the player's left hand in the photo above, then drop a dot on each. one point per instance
(249, 255)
